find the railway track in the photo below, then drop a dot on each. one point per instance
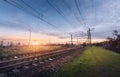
(8, 65)
(15, 56)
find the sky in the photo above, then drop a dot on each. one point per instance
(57, 19)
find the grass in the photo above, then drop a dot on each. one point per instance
(93, 62)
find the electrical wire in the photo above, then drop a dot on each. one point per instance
(77, 3)
(15, 4)
(65, 3)
(59, 11)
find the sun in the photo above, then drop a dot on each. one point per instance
(35, 43)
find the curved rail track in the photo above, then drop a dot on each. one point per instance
(8, 65)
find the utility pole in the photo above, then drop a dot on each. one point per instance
(30, 37)
(1, 43)
(89, 35)
(71, 40)
(77, 40)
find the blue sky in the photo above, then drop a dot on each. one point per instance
(103, 15)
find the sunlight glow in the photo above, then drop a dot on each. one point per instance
(35, 43)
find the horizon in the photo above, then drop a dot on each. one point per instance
(57, 20)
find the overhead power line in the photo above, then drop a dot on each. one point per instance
(94, 10)
(39, 14)
(65, 3)
(77, 3)
(58, 10)
(15, 4)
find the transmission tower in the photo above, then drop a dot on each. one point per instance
(30, 37)
(89, 35)
(71, 40)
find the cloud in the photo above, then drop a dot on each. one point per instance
(13, 25)
(18, 26)
(106, 20)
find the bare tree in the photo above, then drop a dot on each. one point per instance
(115, 34)
(1, 43)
